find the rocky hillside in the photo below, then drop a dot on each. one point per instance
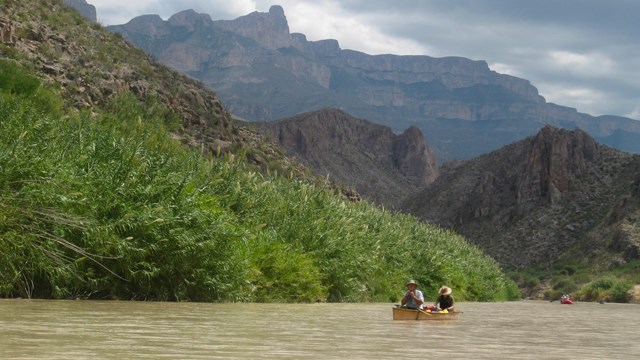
(264, 72)
(555, 196)
(382, 166)
(91, 65)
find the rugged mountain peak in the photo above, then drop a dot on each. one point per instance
(189, 19)
(413, 158)
(154, 19)
(278, 12)
(556, 157)
(88, 11)
(382, 166)
(270, 29)
(151, 25)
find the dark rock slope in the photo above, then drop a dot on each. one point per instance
(382, 166)
(555, 196)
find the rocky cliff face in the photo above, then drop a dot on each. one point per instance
(537, 200)
(555, 158)
(382, 166)
(270, 30)
(263, 72)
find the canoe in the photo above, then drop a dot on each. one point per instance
(566, 299)
(409, 314)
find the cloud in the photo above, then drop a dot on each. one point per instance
(350, 29)
(115, 12)
(588, 65)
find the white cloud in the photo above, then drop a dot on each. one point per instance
(591, 64)
(113, 12)
(584, 99)
(321, 20)
(502, 68)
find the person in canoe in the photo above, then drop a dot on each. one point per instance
(413, 298)
(444, 301)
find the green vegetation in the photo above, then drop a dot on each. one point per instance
(105, 205)
(606, 289)
(586, 282)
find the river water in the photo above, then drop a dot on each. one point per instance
(44, 329)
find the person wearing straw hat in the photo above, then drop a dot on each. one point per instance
(413, 298)
(444, 301)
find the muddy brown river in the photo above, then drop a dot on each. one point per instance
(45, 329)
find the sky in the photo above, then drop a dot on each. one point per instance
(583, 54)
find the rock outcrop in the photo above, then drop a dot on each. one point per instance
(270, 29)
(263, 72)
(7, 31)
(555, 159)
(538, 200)
(382, 166)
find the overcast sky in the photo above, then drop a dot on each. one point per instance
(579, 53)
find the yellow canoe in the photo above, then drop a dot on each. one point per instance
(409, 314)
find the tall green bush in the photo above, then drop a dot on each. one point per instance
(605, 289)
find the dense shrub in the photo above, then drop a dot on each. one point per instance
(605, 289)
(566, 285)
(15, 81)
(552, 294)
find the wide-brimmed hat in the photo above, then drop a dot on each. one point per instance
(445, 290)
(411, 282)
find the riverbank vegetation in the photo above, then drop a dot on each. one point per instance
(104, 204)
(585, 281)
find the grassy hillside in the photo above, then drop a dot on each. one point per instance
(104, 204)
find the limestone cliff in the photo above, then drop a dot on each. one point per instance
(271, 29)
(263, 72)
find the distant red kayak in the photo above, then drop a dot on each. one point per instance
(569, 302)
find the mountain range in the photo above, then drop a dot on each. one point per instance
(554, 198)
(261, 71)
(550, 196)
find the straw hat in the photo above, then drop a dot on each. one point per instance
(412, 282)
(445, 290)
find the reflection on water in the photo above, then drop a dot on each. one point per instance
(137, 330)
